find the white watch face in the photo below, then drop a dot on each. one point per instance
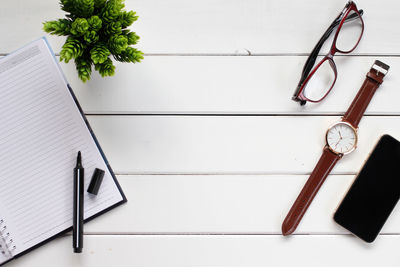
(341, 138)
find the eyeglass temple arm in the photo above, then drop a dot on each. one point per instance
(314, 53)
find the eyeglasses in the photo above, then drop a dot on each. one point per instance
(316, 83)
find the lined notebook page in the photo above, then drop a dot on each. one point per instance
(41, 131)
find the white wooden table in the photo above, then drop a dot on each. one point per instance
(206, 142)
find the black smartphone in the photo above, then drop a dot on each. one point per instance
(374, 193)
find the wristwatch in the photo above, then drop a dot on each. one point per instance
(341, 139)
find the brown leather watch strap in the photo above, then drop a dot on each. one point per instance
(310, 189)
(365, 94)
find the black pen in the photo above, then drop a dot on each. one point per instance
(77, 235)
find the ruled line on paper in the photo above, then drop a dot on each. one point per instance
(26, 69)
(19, 58)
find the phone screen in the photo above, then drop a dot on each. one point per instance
(374, 193)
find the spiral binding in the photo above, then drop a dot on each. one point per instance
(7, 245)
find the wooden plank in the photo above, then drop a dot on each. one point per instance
(200, 251)
(228, 85)
(228, 144)
(224, 26)
(223, 204)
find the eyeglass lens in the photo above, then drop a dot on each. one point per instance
(321, 81)
(350, 33)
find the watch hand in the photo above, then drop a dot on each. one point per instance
(337, 143)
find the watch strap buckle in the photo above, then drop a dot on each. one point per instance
(380, 67)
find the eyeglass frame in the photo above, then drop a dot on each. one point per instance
(309, 69)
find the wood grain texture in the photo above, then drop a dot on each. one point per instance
(218, 27)
(227, 85)
(200, 251)
(229, 144)
(223, 204)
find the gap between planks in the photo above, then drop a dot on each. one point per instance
(221, 234)
(227, 114)
(248, 54)
(221, 173)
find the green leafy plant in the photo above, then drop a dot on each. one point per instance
(96, 30)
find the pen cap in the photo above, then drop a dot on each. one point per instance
(96, 181)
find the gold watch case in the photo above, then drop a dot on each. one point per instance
(355, 134)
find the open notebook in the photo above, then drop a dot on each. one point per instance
(42, 128)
